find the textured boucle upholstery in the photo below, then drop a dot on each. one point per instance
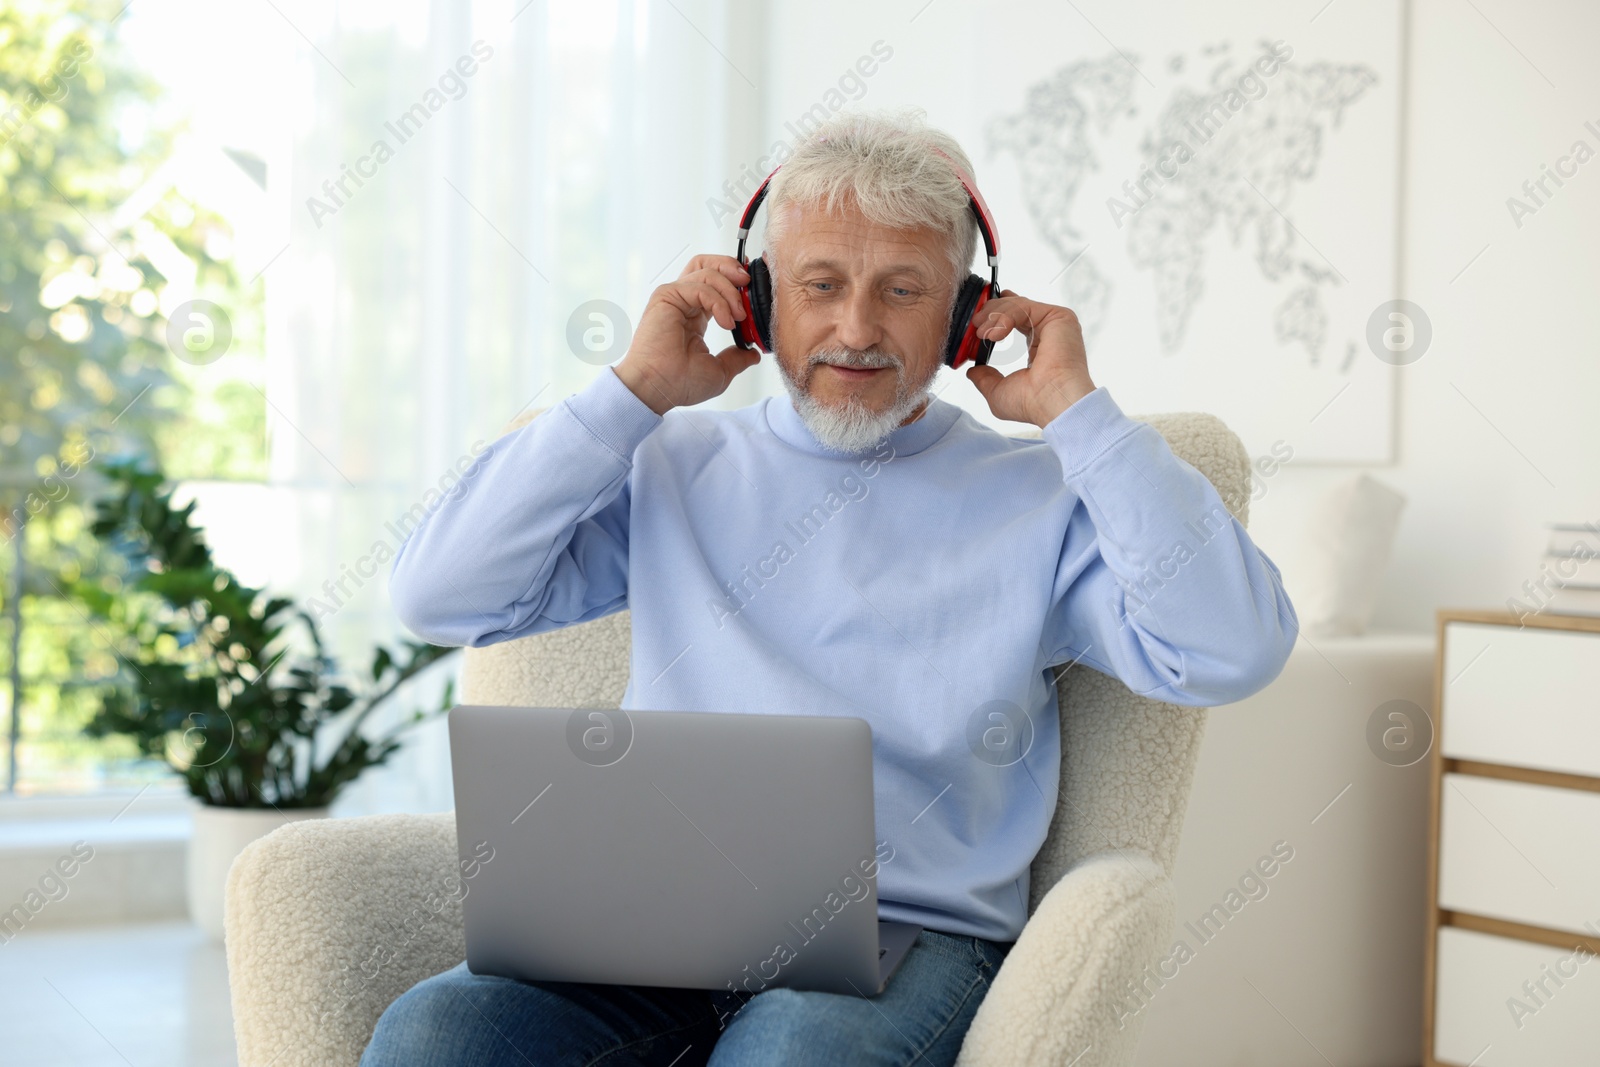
(325, 929)
(328, 922)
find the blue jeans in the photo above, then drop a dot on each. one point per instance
(921, 1017)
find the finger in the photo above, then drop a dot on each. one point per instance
(725, 288)
(1029, 314)
(986, 378)
(1018, 308)
(703, 260)
(696, 303)
(996, 325)
(732, 268)
(726, 265)
(683, 303)
(722, 300)
(715, 303)
(1003, 314)
(734, 361)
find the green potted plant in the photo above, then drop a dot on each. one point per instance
(231, 687)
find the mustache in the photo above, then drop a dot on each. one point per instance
(853, 357)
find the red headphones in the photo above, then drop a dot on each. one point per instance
(754, 331)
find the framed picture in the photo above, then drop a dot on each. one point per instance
(1214, 190)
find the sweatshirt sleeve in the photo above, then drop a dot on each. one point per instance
(535, 536)
(1158, 584)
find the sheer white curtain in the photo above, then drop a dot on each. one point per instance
(461, 178)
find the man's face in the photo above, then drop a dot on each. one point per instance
(851, 291)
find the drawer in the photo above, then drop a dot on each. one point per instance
(1479, 980)
(1529, 697)
(1527, 853)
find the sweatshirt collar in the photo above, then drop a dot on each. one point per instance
(785, 422)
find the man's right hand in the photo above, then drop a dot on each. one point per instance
(668, 364)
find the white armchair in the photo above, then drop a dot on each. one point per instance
(329, 921)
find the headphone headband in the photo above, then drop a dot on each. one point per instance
(749, 215)
(980, 210)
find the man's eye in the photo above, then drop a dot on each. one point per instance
(822, 286)
(900, 291)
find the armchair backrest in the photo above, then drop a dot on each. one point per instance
(1127, 761)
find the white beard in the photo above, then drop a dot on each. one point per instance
(851, 427)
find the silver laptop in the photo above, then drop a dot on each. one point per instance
(702, 850)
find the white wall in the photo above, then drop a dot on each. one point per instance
(1334, 941)
(1515, 334)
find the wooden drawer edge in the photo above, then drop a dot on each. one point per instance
(1531, 775)
(1516, 931)
(1585, 623)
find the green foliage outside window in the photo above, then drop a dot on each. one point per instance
(85, 370)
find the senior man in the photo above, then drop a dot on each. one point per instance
(860, 548)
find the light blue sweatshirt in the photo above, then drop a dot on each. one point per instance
(927, 587)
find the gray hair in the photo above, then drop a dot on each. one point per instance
(887, 164)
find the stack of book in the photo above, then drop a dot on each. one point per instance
(1573, 561)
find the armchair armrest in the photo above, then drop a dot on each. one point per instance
(329, 921)
(1065, 994)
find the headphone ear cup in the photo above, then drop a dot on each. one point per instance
(756, 329)
(962, 343)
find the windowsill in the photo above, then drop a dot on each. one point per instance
(157, 815)
(134, 873)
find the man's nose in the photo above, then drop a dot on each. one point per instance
(859, 327)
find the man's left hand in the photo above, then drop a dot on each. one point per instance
(1057, 374)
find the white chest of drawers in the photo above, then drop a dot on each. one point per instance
(1513, 950)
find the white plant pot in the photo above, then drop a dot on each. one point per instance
(220, 834)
